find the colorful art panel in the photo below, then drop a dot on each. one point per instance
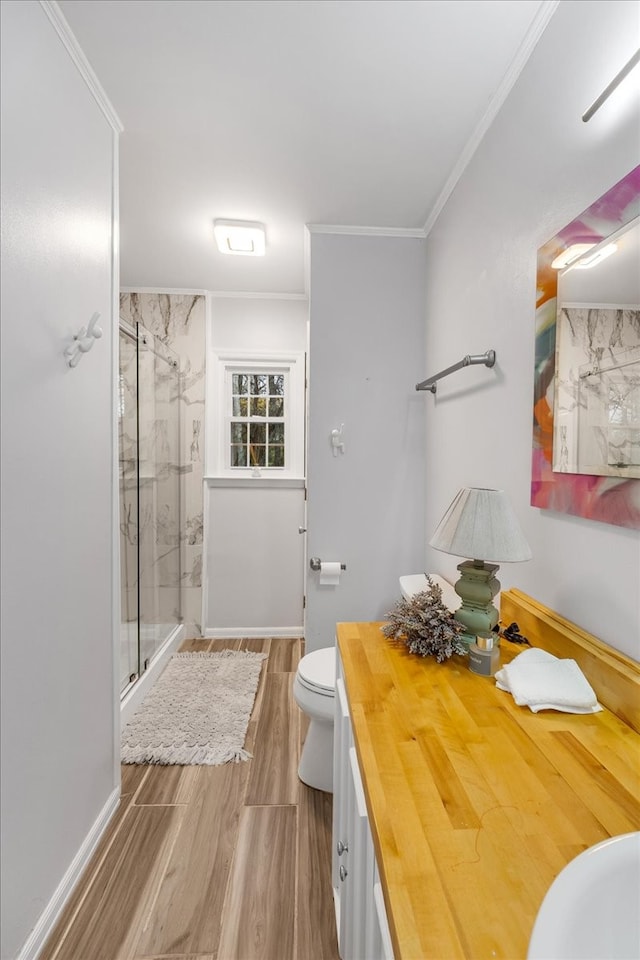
(607, 499)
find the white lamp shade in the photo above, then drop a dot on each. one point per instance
(480, 524)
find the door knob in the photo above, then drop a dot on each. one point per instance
(302, 529)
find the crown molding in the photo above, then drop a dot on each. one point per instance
(415, 233)
(171, 291)
(242, 295)
(62, 28)
(535, 31)
(215, 294)
(307, 261)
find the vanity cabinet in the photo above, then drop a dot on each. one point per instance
(444, 788)
(361, 920)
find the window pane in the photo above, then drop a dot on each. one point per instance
(258, 433)
(238, 433)
(276, 385)
(257, 455)
(240, 383)
(258, 384)
(276, 456)
(238, 456)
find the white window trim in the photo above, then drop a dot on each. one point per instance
(226, 362)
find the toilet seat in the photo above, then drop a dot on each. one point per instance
(317, 672)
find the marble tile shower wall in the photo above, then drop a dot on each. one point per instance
(179, 322)
(128, 455)
(598, 389)
(159, 393)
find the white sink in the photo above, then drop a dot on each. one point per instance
(592, 909)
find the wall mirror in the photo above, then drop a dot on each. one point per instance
(597, 382)
(586, 417)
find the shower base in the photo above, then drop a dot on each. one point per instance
(152, 636)
(135, 692)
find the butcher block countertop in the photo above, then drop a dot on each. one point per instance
(475, 804)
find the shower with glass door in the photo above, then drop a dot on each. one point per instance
(149, 455)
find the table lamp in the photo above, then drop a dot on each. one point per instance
(481, 524)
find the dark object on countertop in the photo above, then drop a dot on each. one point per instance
(512, 633)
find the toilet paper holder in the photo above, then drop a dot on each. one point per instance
(315, 563)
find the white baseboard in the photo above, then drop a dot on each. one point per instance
(138, 691)
(232, 633)
(51, 913)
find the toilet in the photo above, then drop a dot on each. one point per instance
(314, 690)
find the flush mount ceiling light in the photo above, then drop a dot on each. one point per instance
(241, 237)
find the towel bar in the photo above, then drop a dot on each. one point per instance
(487, 359)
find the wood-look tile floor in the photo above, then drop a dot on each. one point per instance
(214, 863)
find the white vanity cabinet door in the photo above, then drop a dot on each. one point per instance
(382, 948)
(363, 932)
(341, 744)
(354, 924)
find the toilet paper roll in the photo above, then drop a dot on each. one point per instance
(330, 573)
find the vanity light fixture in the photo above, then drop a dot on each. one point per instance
(583, 256)
(608, 90)
(592, 259)
(570, 255)
(480, 523)
(244, 238)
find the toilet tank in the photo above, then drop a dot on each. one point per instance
(413, 583)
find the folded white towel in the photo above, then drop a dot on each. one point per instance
(526, 658)
(540, 681)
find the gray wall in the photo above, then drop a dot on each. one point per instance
(538, 168)
(365, 508)
(253, 549)
(58, 777)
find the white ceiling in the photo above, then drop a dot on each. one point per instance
(289, 112)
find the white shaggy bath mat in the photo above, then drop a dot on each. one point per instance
(197, 712)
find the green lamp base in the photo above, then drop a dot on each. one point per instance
(477, 587)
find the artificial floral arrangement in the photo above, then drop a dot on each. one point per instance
(426, 625)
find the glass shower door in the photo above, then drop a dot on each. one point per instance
(158, 493)
(149, 452)
(128, 456)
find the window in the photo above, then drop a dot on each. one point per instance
(257, 423)
(259, 416)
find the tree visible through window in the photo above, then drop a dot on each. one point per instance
(258, 422)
